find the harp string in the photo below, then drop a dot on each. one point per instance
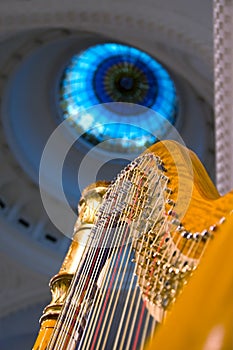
(146, 294)
(144, 334)
(168, 259)
(115, 298)
(64, 322)
(76, 290)
(68, 311)
(203, 248)
(59, 331)
(132, 280)
(78, 298)
(127, 301)
(131, 306)
(112, 274)
(109, 305)
(99, 298)
(160, 232)
(103, 233)
(97, 305)
(114, 279)
(104, 236)
(136, 314)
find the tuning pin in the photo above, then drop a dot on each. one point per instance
(170, 202)
(213, 228)
(206, 234)
(170, 270)
(168, 190)
(175, 222)
(172, 213)
(179, 227)
(197, 236)
(184, 234)
(164, 177)
(162, 167)
(221, 221)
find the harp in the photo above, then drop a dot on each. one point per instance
(151, 230)
(202, 317)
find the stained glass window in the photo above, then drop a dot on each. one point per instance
(119, 78)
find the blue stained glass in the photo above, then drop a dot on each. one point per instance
(111, 72)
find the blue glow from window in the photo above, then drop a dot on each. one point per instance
(111, 72)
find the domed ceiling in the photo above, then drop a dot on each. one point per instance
(37, 46)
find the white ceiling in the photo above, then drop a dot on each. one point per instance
(177, 32)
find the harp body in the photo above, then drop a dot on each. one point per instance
(202, 317)
(151, 231)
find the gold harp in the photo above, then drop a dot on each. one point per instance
(154, 224)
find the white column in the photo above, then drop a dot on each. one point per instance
(223, 71)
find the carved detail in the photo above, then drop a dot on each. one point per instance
(89, 203)
(59, 286)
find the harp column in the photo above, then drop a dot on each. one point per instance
(88, 205)
(223, 77)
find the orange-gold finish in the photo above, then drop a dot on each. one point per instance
(195, 202)
(59, 284)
